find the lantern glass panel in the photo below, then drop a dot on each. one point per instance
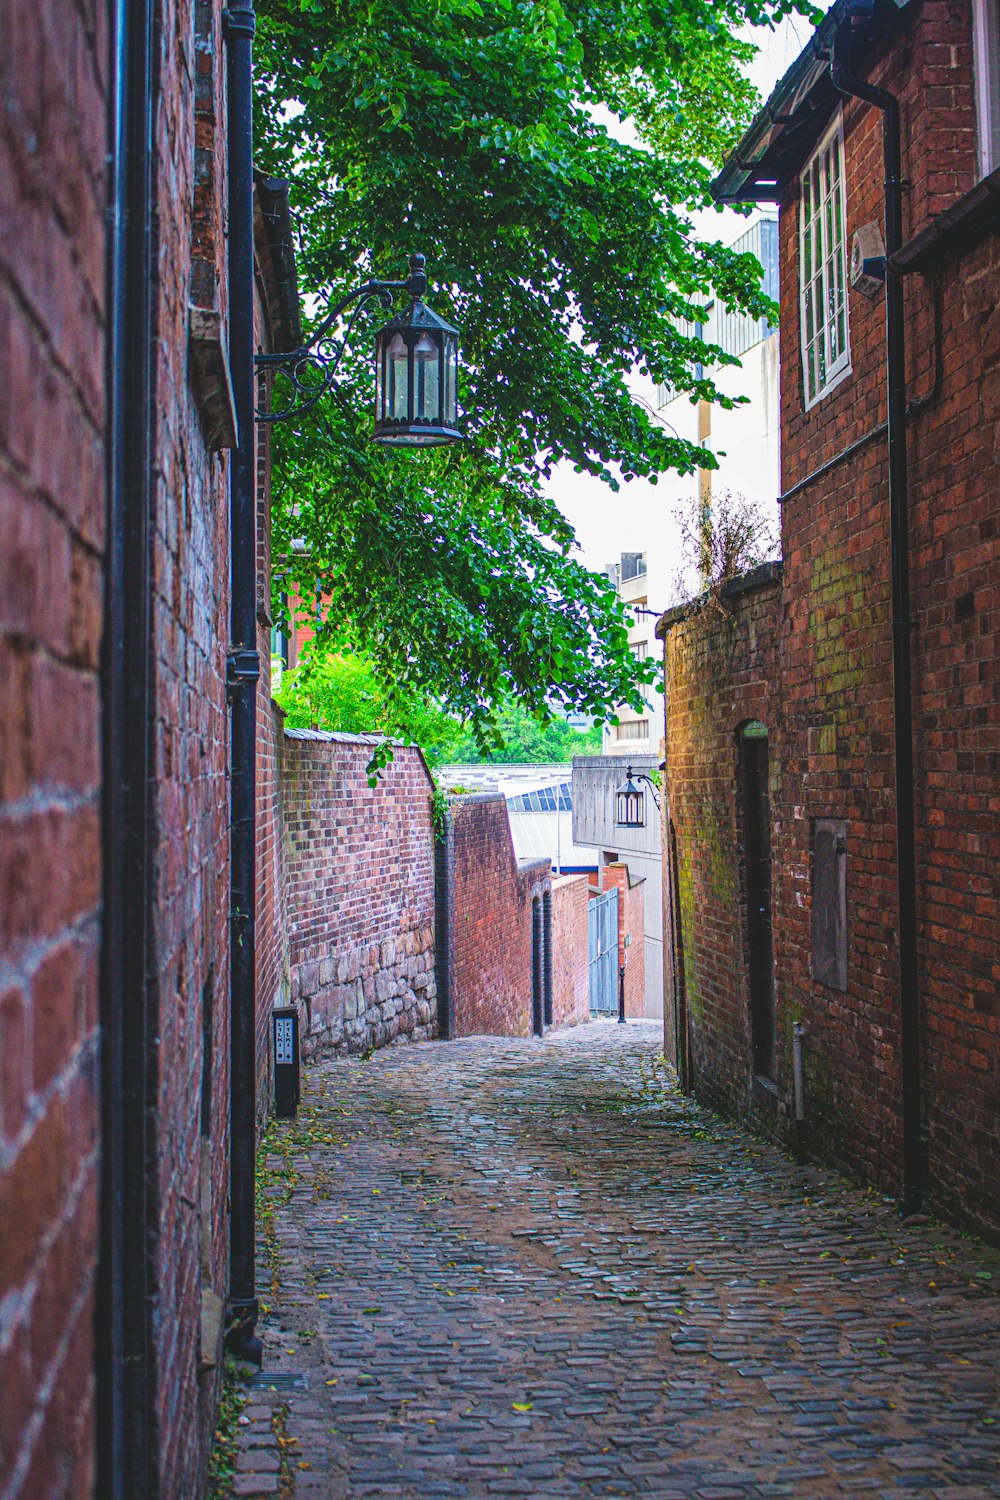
(450, 404)
(630, 812)
(398, 360)
(427, 379)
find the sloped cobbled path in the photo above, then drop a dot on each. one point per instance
(532, 1268)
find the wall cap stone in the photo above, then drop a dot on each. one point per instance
(746, 583)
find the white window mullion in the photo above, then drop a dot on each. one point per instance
(823, 308)
(986, 55)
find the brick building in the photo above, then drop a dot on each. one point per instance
(115, 425)
(787, 750)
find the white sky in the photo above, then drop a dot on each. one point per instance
(606, 523)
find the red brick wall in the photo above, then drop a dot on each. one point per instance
(492, 896)
(52, 516)
(570, 954)
(272, 977)
(722, 667)
(818, 671)
(631, 925)
(191, 798)
(955, 475)
(838, 711)
(359, 873)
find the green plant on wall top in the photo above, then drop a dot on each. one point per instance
(722, 542)
(439, 813)
(340, 691)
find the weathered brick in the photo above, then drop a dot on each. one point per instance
(491, 967)
(823, 668)
(358, 887)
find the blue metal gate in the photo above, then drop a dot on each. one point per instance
(602, 922)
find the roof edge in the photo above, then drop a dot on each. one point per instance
(750, 173)
(274, 223)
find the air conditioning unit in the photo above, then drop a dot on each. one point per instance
(868, 261)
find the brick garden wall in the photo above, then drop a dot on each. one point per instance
(359, 873)
(491, 976)
(631, 925)
(52, 514)
(570, 971)
(722, 669)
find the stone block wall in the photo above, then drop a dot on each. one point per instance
(491, 960)
(359, 892)
(53, 76)
(570, 970)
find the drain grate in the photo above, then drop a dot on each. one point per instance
(284, 1380)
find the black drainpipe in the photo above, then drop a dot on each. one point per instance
(444, 915)
(242, 674)
(909, 1010)
(126, 1440)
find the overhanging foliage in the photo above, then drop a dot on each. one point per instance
(472, 132)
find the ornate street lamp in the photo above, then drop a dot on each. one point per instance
(630, 800)
(416, 379)
(630, 803)
(416, 366)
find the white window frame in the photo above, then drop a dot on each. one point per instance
(986, 58)
(624, 730)
(826, 354)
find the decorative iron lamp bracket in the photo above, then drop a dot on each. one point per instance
(641, 776)
(629, 809)
(425, 413)
(312, 368)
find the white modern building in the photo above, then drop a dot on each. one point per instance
(743, 440)
(539, 809)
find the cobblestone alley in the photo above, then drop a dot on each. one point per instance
(530, 1268)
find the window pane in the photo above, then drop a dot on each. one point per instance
(823, 269)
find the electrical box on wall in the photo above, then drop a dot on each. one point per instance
(285, 1022)
(868, 261)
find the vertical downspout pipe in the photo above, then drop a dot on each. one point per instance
(909, 1011)
(444, 887)
(537, 942)
(126, 1436)
(241, 678)
(547, 957)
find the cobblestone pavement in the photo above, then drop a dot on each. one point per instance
(532, 1268)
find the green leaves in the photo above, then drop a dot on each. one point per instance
(469, 130)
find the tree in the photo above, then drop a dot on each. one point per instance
(470, 129)
(527, 741)
(338, 690)
(722, 541)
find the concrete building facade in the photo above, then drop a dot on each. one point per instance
(596, 779)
